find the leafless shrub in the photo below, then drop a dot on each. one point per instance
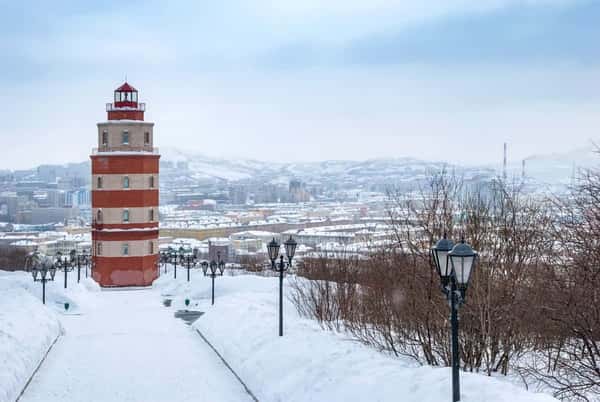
(569, 291)
(12, 259)
(533, 303)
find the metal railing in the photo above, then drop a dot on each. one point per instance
(147, 150)
(141, 107)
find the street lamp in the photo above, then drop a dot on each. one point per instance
(216, 268)
(85, 259)
(181, 255)
(273, 251)
(66, 263)
(81, 259)
(454, 264)
(190, 262)
(44, 269)
(172, 257)
(164, 259)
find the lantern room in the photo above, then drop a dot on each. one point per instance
(125, 105)
(126, 96)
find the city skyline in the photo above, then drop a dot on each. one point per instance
(343, 81)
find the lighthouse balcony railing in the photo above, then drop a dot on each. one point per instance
(125, 149)
(141, 107)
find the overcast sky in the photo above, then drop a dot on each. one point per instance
(304, 80)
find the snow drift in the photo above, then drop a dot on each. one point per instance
(308, 363)
(28, 328)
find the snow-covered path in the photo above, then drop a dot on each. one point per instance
(130, 348)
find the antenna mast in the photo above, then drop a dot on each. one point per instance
(504, 162)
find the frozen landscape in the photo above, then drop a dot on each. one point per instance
(423, 175)
(127, 345)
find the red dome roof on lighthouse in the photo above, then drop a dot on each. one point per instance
(126, 88)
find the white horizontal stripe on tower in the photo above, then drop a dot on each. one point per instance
(110, 216)
(135, 248)
(137, 181)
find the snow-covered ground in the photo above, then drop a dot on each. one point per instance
(308, 363)
(131, 348)
(125, 345)
(115, 345)
(28, 328)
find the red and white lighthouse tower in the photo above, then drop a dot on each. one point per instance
(125, 195)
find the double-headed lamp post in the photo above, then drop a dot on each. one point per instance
(454, 264)
(85, 259)
(174, 259)
(190, 261)
(216, 268)
(164, 259)
(42, 271)
(81, 259)
(66, 263)
(273, 250)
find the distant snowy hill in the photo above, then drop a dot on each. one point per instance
(551, 169)
(541, 171)
(203, 166)
(341, 171)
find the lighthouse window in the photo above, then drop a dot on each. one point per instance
(99, 182)
(126, 215)
(151, 248)
(99, 248)
(99, 216)
(146, 138)
(151, 214)
(125, 138)
(125, 249)
(126, 182)
(105, 137)
(151, 181)
(134, 96)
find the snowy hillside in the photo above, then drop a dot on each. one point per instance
(550, 169)
(389, 171)
(308, 363)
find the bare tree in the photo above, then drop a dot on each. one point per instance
(533, 303)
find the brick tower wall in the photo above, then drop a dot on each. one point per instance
(125, 177)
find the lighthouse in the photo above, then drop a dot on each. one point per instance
(125, 195)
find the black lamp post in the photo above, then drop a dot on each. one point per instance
(216, 268)
(82, 259)
(65, 263)
(454, 264)
(175, 258)
(164, 259)
(181, 256)
(190, 262)
(42, 271)
(273, 250)
(85, 259)
(170, 257)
